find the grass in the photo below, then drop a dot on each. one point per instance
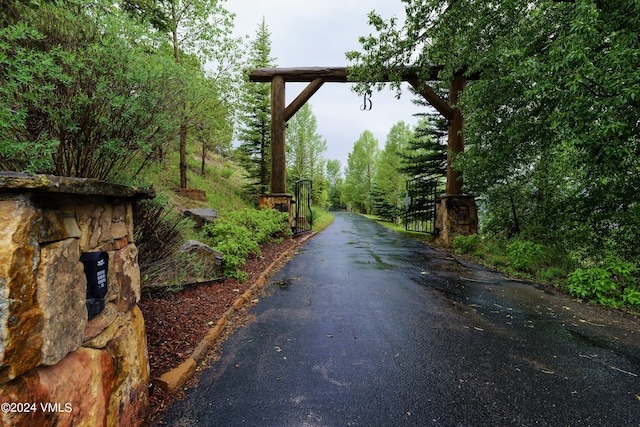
(321, 219)
(222, 181)
(423, 237)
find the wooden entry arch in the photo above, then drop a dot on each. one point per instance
(317, 76)
(456, 214)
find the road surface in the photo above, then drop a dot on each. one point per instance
(366, 327)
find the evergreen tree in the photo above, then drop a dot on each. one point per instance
(254, 132)
(426, 152)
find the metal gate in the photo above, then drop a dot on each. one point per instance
(303, 219)
(420, 204)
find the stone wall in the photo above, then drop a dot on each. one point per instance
(56, 366)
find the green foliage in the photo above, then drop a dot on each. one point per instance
(321, 218)
(523, 255)
(389, 183)
(612, 284)
(239, 234)
(305, 151)
(360, 173)
(551, 136)
(226, 172)
(336, 184)
(466, 244)
(425, 154)
(254, 132)
(91, 89)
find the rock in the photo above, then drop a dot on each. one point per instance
(201, 216)
(127, 277)
(129, 402)
(20, 318)
(200, 261)
(107, 334)
(80, 186)
(79, 385)
(56, 226)
(94, 221)
(177, 377)
(194, 261)
(62, 290)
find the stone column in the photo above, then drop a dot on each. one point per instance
(456, 215)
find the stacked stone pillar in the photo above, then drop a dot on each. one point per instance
(71, 370)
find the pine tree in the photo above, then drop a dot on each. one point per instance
(254, 132)
(426, 153)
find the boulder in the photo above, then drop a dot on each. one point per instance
(127, 277)
(129, 402)
(194, 262)
(201, 216)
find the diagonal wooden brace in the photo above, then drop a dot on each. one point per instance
(433, 98)
(304, 96)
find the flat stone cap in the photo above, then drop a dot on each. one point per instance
(18, 181)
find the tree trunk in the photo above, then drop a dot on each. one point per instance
(183, 156)
(204, 157)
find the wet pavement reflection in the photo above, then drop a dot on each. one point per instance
(367, 327)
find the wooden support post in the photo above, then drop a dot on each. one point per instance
(278, 150)
(456, 136)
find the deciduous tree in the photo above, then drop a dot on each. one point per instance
(389, 182)
(360, 173)
(552, 123)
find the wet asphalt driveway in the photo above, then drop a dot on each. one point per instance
(368, 328)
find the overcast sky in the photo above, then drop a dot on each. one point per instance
(306, 33)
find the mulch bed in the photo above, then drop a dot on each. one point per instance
(177, 322)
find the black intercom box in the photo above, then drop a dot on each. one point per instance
(95, 269)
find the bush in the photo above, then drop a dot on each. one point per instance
(612, 284)
(239, 235)
(523, 255)
(466, 244)
(77, 97)
(158, 231)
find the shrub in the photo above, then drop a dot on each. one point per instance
(77, 97)
(466, 244)
(239, 234)
(612, 284)
(523, 255)
(158, 231)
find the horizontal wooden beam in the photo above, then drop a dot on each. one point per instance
(327, 74)
(303, 74)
